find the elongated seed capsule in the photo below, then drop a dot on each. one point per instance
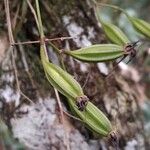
(114, 34)
(141, 26)
(65, 84)
(93, 118)
(97, 53)
(60, 79)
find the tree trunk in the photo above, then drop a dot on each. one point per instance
(38, 125)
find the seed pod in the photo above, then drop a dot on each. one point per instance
(69, 87)
(115, 34)
(93, 118)
(60, 79)
(97, 53)
(141, 26)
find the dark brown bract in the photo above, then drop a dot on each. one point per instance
(130, 50)
(81, 102)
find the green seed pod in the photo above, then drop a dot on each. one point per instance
(93, 118)
(141, 26)
(97, 53)
(65, 83)
(115, 34)
(60, 79)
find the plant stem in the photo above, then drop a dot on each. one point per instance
(39, 19)
(43, 50)
(54, 47)
(41, 29)
(114, 7)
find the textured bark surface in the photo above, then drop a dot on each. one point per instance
(38, 125)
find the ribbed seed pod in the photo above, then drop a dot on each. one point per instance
(115, 34)
(65, 83)
(62, 80)
(97, 53)
(93, 118)
(141, 26)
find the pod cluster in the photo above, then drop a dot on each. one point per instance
(93, 118)
(80, 104)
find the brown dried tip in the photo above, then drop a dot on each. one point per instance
(81, 102)
(113, 139)
(130, 49)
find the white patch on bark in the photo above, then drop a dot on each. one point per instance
(103, 68)
(10, 95)
(91, 33)
(131, 145)
(7, 77)
(75, 31)
(83, 67)
(40, 129)
(129, 72)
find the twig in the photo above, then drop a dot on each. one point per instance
(16, 16)
(27, 68)
(66, 139)
(86, 80)
(34, 14)
(23, 58)
(113, 7)
(71, 116)
(26, 97)
(11, 40)
(15, 70)
(46, 40)
(10, 35)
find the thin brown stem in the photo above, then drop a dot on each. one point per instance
(34, 13)
(11, 40)
(71, 116)
(66, 139)
(10, 33)
(38, 41)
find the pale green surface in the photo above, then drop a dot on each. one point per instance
(60, 79)
(98, 53)
(115, 34)
(141, 26)
(93, 118)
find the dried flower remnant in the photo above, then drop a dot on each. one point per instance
(81, 102)
(130, 50)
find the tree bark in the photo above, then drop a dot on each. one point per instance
(38, 125)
